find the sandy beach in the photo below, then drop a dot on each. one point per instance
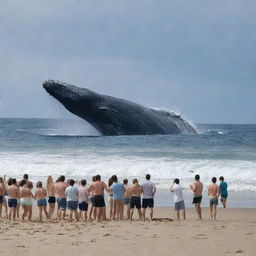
(233, 233)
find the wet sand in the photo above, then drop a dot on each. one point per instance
(233, 233)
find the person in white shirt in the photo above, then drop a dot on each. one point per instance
(83, 200)
(176, 188)
(148, 192)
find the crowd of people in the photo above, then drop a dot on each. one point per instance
(87, 201)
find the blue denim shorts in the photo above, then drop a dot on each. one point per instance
(72, 205)
(41, 202)
(62, 203)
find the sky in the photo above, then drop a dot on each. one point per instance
(197, 58)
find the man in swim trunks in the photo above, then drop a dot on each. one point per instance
(13, 194)
(223, 191)
(213, 193)
(148, 192)
(98, 188)
(127, 198)
(197, 188)
(136, 191)
(59, 190)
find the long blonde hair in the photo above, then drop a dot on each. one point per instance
(49, 182)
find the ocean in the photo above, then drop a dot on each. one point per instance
(42, 147)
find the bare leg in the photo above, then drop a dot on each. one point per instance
(140, 214)
(184, 213)
(131, 213)
(45, 212)
(29, 212)
(211, 211)
(121, 210)
(128, 211)
(40, 212)
(10, 214)
(144, 214)
(99, 213)
(151, 213)
(76, 215)
(178, 215)
(214, 211)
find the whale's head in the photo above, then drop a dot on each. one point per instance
(75, 99)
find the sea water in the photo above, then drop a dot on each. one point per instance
(42, 147)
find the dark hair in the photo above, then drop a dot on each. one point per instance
(135, 181)
(114, 178)
(9, 181)
(110, 182)
(1, 180)
(14, 181)
(83, 182)
(197, 177)
(214, 179)
(148, 177)
(61, 178)
(98, 177)
(22, 183)
(93, 178)
(25, 176)
(125, 181)
(221, 178)
(177, 181)
(71, 182)
(39, 184)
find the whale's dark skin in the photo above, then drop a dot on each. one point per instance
(114, 116)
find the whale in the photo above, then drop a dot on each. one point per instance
(112, 116)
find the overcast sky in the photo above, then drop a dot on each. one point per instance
(195, 57)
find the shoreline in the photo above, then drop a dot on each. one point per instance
(233, 232)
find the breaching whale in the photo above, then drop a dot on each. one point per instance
(114, 116)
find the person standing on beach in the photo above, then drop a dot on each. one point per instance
(26, 200)
(51, 196)
(2, 189)
(28, 182)
(223, 192)
(148, 192)
(110, 198)
(41, 195)
(83, 200)
(59, 189)
(213, 193)
(71, 193)
(197, 188)
(176, 189)
(13, 195)
(127, 198)
(98, 188)
(136, 191)
(118, 198)
(91, 199)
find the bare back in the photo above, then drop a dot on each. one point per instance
(59, 189)
(40, 193)
(13, 191)
(198, 188)
(25, 192)
(98, 188)
(213, 190)
(136, 190)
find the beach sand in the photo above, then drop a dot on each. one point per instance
(233, 233)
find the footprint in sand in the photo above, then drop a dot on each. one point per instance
(239, 251)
